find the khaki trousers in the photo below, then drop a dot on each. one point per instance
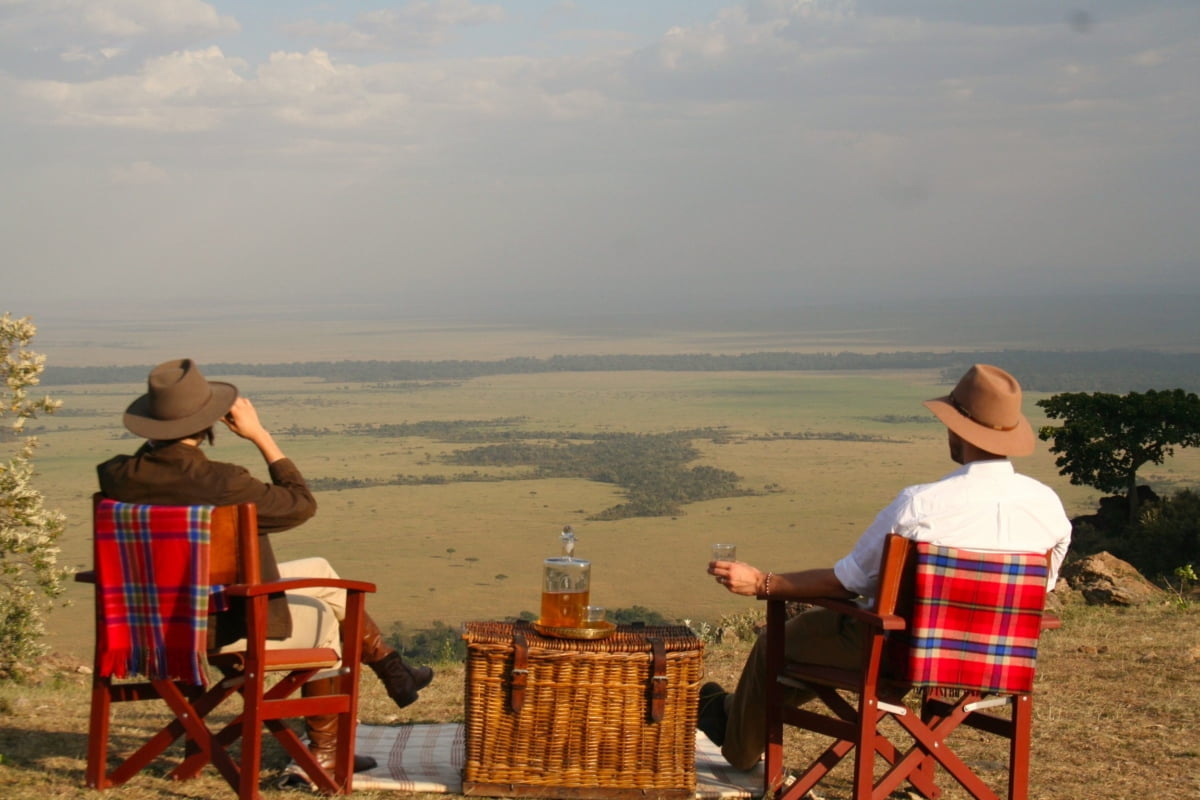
(816, 636)
(316, 612)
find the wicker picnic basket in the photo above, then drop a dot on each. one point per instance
(604, 718)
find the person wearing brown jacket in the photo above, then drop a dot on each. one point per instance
(176, 416)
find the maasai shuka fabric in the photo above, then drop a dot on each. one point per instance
(976, 619)
(152, 576)
(428, 759)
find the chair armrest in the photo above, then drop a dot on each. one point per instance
(85, 576)
(887, 622)
(259, 589)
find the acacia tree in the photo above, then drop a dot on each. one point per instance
(29, 574)
(1106, 438)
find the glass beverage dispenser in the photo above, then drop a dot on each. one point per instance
(565, 581)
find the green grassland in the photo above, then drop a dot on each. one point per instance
(473, 550)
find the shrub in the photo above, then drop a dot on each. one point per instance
(29, 572)
(628, 616)
(440, 644)
(1167, 535)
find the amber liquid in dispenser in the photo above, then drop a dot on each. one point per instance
(565, 586)
(564, 609)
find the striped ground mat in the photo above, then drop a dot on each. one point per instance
(429, 758)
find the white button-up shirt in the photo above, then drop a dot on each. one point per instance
(983, 505)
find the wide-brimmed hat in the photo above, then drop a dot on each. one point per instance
(179, 402)
(985, 410)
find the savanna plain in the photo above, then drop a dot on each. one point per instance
(817, 453)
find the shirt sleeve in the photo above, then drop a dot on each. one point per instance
(282, 504)
(858, 571)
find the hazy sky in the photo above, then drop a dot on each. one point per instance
(437, 155)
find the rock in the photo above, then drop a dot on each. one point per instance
(1061, 597)
(1104, 579)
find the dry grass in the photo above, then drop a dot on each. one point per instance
(1116, 717)
(43, 736)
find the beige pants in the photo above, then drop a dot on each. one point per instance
(316, 613)
(817, 636)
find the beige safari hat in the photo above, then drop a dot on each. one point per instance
(985, 410)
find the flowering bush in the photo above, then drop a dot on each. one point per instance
(29, 572)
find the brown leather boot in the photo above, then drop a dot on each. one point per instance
(322, 729)
(401, 681)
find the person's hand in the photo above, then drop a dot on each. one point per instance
(737, 577)
(243, 420)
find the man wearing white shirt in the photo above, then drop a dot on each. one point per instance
(984, 505)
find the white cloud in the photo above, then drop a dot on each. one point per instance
(184, 91)
(99, 56)
(311, 91)
(74, 40)
(37, 24)
(421, 25)
(128, 18)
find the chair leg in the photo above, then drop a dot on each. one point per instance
(773, 766)
(251, 733)
(773, 755)
(1018, 752)
(251, 763)
(97, 745)
(864, 754)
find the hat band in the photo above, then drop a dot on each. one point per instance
(960, 408)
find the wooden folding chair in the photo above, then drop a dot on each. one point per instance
(233, 570)
(921, 634)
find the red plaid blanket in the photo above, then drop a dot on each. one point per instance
(152, 576)
(976, 619)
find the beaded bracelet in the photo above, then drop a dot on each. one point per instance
(767, 586)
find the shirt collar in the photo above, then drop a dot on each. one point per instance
(991, 466)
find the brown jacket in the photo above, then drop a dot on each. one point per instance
(180, 474)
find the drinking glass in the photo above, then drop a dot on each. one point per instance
(724, 552)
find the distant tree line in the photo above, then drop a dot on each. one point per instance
(500, 429)
(1118, 371)
(651, 468)
(326, 484)
(827, 436)
(458, 430)
(1042, 371)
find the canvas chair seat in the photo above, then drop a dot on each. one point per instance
(157, 569)
(951, 642)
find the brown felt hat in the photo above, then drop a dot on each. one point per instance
(179, 402)
(985, 410)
